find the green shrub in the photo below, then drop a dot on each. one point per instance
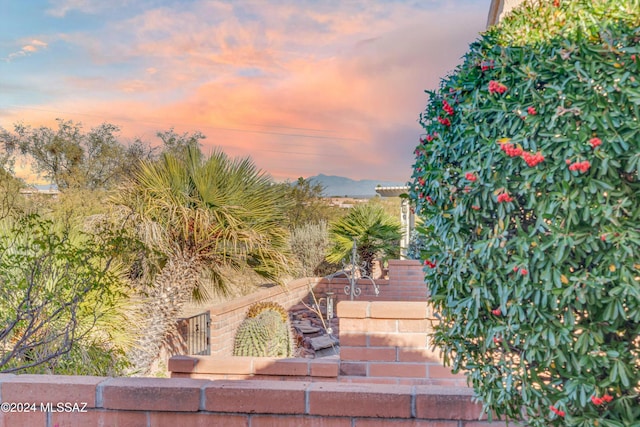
(527, 180)
(64, 307)
(309, 243)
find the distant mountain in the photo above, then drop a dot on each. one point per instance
(339, 186)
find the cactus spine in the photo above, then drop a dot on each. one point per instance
(265, 332)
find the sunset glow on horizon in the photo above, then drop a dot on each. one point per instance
(302, 87)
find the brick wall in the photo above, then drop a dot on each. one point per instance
(163, 402)
(405, 283)
(226, 317)
(384, 342)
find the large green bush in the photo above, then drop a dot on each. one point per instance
(527, 180)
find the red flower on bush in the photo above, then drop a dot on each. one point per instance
(596, 400)
(607, 398)
(524, 271)
(557, 411)
(595, 142)
(496, 312)
(531, 111)
(470, 176)
(497, 87)
(475, 207)
(580, 166)
(504, 197)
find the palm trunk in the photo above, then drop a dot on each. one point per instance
(162, 307)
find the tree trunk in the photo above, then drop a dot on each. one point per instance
(162, 307)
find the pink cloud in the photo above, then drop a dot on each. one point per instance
(302, 90)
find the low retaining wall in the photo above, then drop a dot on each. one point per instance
(405, 283)
(383, 342)
(158, 402)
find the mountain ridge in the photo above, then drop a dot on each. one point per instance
(340, 186)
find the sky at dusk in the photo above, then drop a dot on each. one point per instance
(302, 86)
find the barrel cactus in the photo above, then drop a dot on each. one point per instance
(264, 333)
(259, 307)
(527, 179)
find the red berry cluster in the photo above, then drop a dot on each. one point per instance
(531, 111)
(580, 166)
(595, 142)
(429, 263)
(557, 411)
(600, 400)
(532, 159)
(522, 271)
(475, 207)
(486, 65)
(470, 176)
(447, 108)
(497, 87)
(496, 312)
(444, 121)
(511, 150)
(504, 197)
(515, 151)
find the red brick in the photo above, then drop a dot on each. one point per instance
(353, 309)
(398, 340)
(182, 363)
(324, 367)
(22, 419)
(298, 421)
(271, 366)
(225, 365)
(406, 263)
(360, 400)
(398, 310)
(414, 325)
(439, 371)
(144, 394)
(369, 380)
(173, 419)
(50, 389)
(99, 418)
(490, 424)
(418, 355)
(353, 369)
(254, 396)
(368, 353)
(400, 370)
(353, 339)
(446, 403)
(368, 422)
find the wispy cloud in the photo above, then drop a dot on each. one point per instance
(27, 49)
(60, 8)
(303, 86)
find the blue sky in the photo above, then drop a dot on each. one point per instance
(303, 87)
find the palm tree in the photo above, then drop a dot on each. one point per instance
(202, 217)
(376, 234)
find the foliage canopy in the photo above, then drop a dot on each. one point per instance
(528, 182)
